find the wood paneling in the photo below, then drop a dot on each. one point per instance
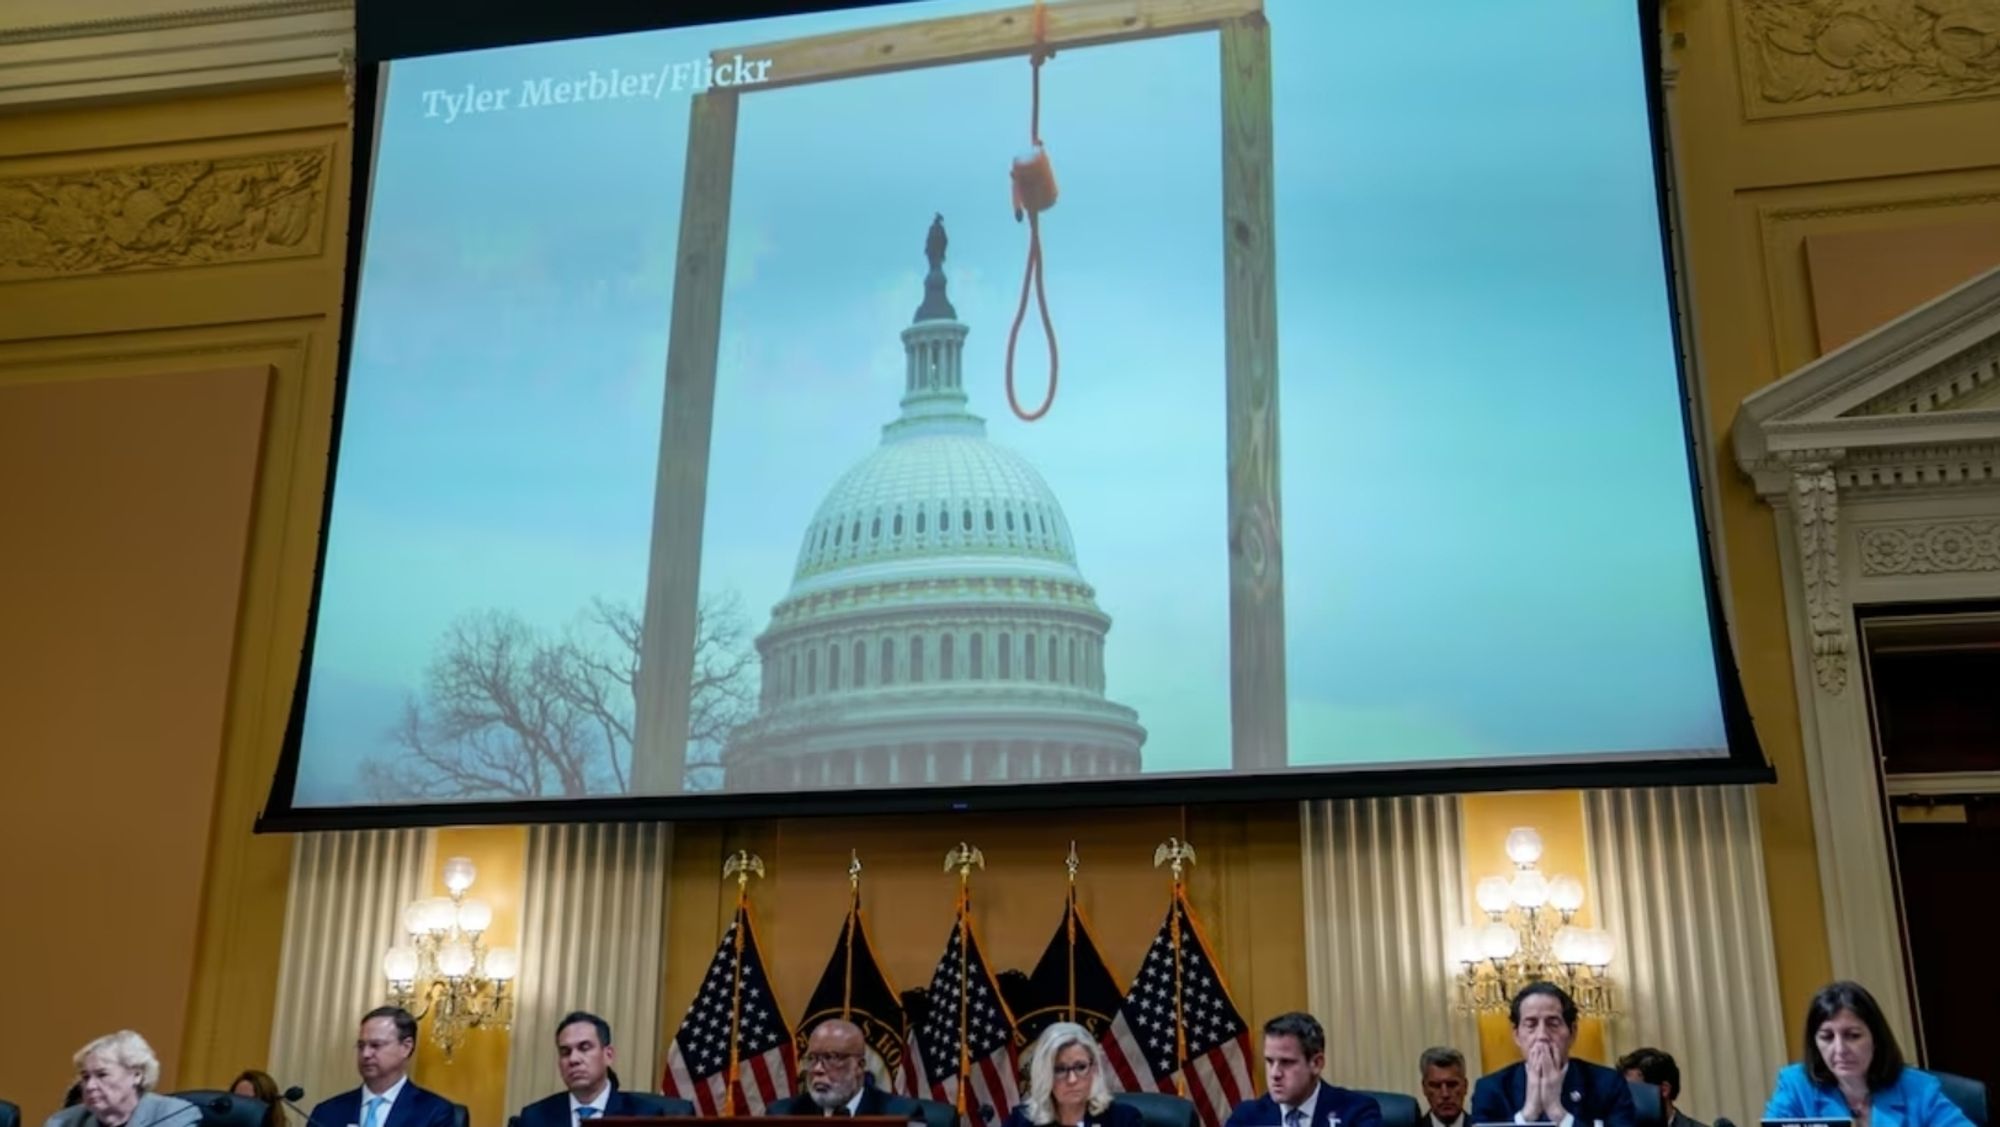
(126, 501)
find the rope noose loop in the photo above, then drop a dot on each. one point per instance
(1030, 200)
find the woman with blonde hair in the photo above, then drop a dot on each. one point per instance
(1067, 1085)
(117, 1072)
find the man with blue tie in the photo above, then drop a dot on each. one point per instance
(386, 1097)
(584, 1056)
(1294, 1056)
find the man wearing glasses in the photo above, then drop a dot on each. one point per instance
(836, 1067)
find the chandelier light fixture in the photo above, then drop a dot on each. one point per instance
(1529, 937)
(445, 973)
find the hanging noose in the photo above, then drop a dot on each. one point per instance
(1034, 193)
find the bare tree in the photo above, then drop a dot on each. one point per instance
(509, 712)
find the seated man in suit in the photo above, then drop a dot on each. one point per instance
(584, 1056)
(836, 1064)
(1547, 1086)
(386, 1097)
(1655, 1067)
(1294, 1055)
(1444, 1083)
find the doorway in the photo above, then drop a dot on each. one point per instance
(1934, 699)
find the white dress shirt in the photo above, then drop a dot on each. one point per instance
(1306, 1110)
(598, 1101)
(388, 1098)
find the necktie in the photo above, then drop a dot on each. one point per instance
(1294, 1117)
(585, 1112)
(370, 1113)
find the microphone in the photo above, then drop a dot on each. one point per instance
(1723, 1121)
(290, 1097)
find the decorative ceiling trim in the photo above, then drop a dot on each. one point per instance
(174, 50)
(162, 21)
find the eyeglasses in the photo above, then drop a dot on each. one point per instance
(1073, 1071)
(830, 1060)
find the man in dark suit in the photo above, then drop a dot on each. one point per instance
(836, 1064)
(386, 1097)
(1658, 1068)
(1443, 1070)
(1295, 1096)
(584, 1056)
(1546, 1086)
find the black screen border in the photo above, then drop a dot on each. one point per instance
(387, 30)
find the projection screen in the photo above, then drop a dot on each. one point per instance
(946, 404)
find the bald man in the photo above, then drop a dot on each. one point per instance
(836, 1070)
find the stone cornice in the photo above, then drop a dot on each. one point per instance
(1902, 408)
(1813, 406)
(170, 47)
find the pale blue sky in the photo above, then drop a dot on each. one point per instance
(1489, 539)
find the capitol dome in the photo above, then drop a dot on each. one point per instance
(938, 629)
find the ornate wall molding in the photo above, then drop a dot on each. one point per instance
(1815, 503)
(1822, 56)
(1962, 381)
(165, 214)
(1925, 468)
(1931, 464)
(161, 47)
(1943, 547)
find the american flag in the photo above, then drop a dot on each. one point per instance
(698, 1063)
(1142, 1045)
(964, 990)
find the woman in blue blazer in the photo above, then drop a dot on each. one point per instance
(1853, 1070)
(1067, 1085)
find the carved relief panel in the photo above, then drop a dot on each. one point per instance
(164, 214)
(1818, 56)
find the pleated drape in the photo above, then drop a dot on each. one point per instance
(1384, 887)
(1679, 880)
(343, 911)
(593, 925)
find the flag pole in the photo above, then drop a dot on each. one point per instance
(740, 865)
(962, 859)
(853, 914)
(1069, 924)
(1180, 854)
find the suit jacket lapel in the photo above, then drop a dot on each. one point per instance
(1572, 1093)
(1517, 1087)
(1323, 1106)
(399, 1112)
(1890, 1100)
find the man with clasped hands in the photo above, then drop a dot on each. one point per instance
(1546, 1086)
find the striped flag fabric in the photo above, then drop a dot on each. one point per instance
(1178, 1025)
(965, 1046)
(733, 1053)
